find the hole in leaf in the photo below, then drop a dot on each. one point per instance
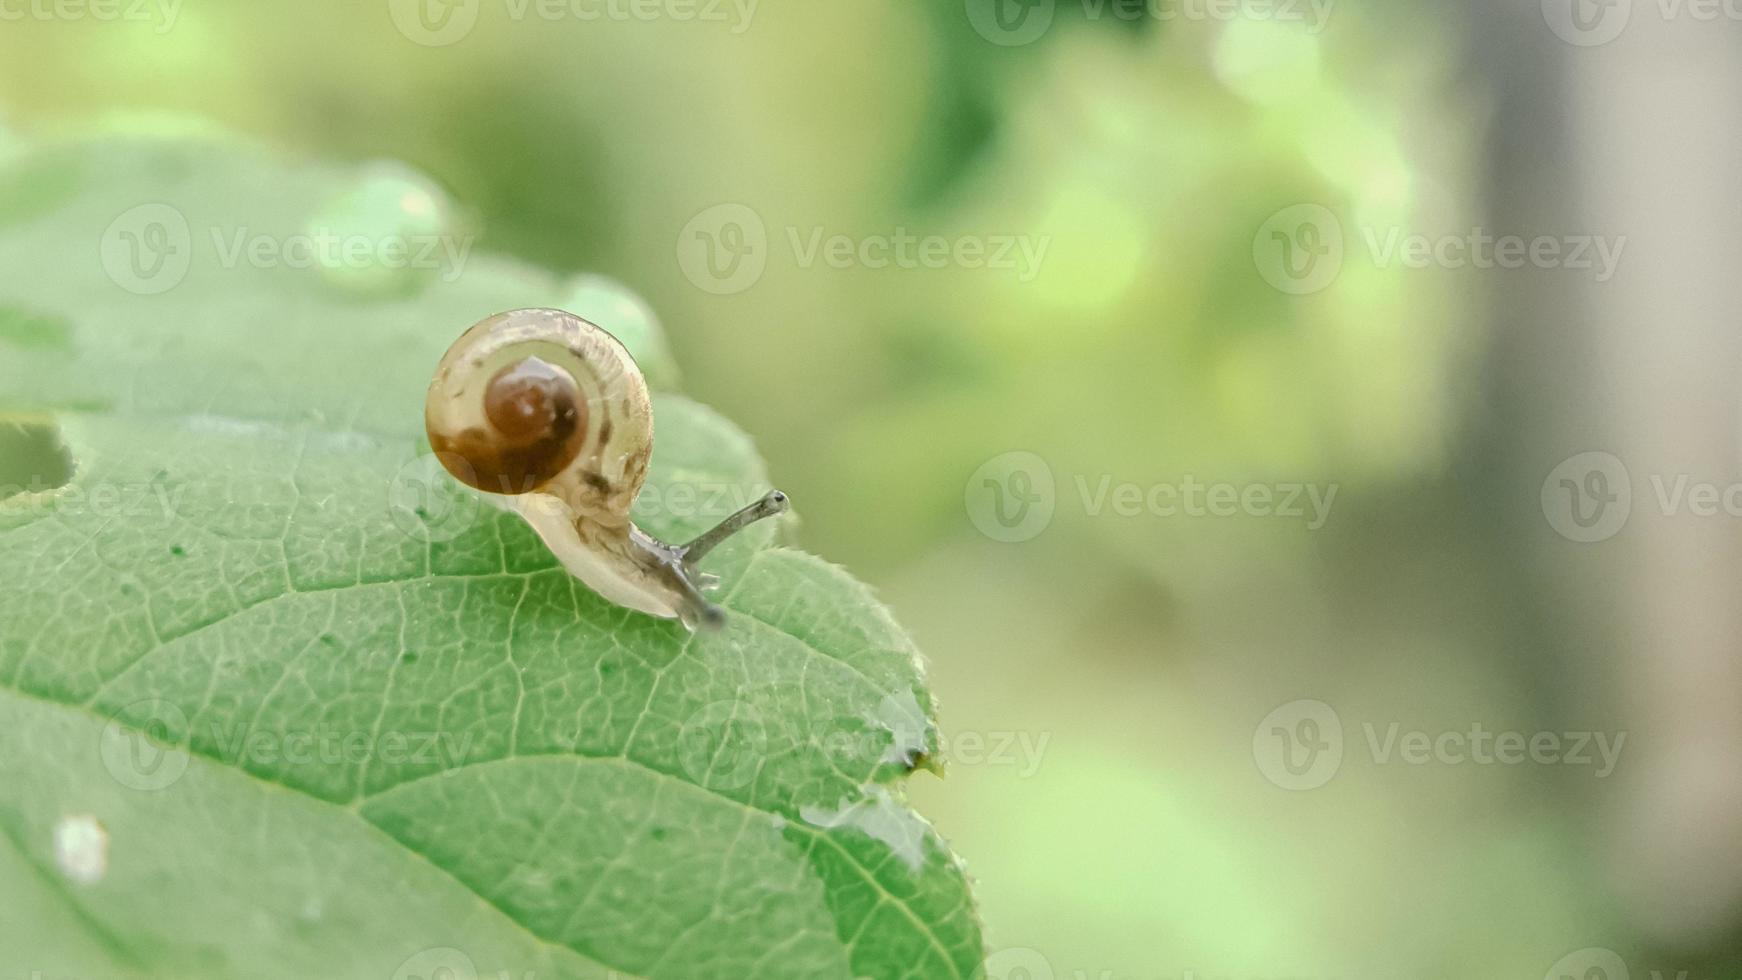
(32, 458)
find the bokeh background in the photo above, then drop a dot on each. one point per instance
(1120, 685)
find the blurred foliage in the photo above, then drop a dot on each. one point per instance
(1146, 154)
(1145, 157)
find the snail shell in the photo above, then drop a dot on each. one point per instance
(541, 401)
(549, 415)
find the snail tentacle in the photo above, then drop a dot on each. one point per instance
(773, 503)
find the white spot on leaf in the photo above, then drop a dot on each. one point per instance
(81, 849)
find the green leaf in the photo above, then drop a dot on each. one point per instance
(278, 699)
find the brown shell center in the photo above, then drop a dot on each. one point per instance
(537, 424)
(529, 401)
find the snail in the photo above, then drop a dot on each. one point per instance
(549, 415)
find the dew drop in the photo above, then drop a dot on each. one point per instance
(81, 849)
(390, 234)
(880, 817)
(626, 316)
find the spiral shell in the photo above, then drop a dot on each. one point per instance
(541, 401)
(549, 415)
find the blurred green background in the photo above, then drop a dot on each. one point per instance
(1102, 680)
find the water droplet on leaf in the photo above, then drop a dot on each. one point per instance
(391, 234)
(622, 312)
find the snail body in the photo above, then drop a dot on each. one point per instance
(550, 416)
